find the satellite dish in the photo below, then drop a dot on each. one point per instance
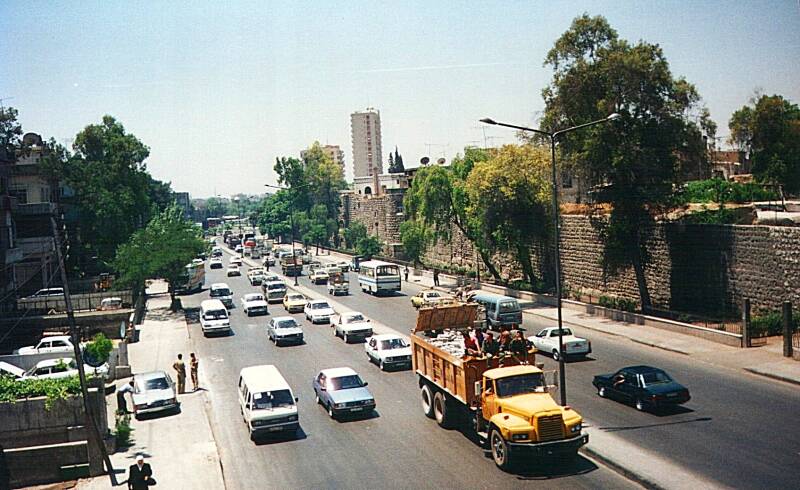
(424, 160)
(441, 161)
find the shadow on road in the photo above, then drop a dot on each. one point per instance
(552, 468)
(648, 426)
(192, 315)
(279, 437)
(343, 419)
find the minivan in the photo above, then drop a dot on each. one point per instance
(222, 292)
(214, 317)
(266, 401)
(502, 312)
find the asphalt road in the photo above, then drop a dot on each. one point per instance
(739, 429)
(397, 447)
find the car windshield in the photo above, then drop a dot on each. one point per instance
(297, 297)
(319, 306)
(520, 385)
(564, 331)
(156, 384)
(274, 286)
(354, 318)
(254, 297)
(285, 324)
(509, 306)
(216, 315)
(393, 344)
(346, 382)
(220, 292)
(272, 399)
(655, 377)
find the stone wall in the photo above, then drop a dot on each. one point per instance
(693, 268)
(381, 215)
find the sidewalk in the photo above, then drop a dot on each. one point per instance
(179, 447)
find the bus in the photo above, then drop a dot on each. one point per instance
(376, 277)
(192, 279)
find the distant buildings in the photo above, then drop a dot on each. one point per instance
(184, 202)
(365, 127)
(333, 151)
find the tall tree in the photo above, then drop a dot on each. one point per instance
(595, 73)
(391, 162)
(769, 129)
(10, 131)
(396, 162)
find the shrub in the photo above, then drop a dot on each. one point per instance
(720, 190)
(98, 350)
(123, 430)
(12, 389)
(771, 324)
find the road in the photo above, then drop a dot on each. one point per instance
(396, 448)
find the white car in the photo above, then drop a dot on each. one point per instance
(236, 259)
(352, 326)
(343, 265)
(58, 343)
(233, 270)
(283, 330)
(270, 277)
(254, 304)
(388, 350)
(62, 368)
(318, 311)
(429, 298)
(319, 276)
(153, 392)
(215, 263)
(255, 276)
(547, 341)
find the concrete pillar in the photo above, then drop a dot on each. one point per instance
(787, 329)
(746, 323)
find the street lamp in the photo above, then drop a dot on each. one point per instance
(238, 201)
(562, 377)
(291, 223)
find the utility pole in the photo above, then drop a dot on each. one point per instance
(73, 329)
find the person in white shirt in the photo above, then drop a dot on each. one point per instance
(122, 406)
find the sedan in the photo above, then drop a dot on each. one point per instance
(319, 276)
(644, 387)
(342, 392)
(62, 368)
(153, 392)
(427, 298)
(343, 265)
(547, 341)
(215, 263)
(352, 326)
(318, 311)
(294, 302)
(284, 330)
(388, 350)
(233, 270)
(48, 345)
(254, 304)
(236, 259)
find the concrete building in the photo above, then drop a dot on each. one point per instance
(10, 253)
(365, 127)
(386, 183)
(333, 151)
(183, 201)
(727, 163)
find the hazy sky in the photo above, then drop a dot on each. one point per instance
(217, 90)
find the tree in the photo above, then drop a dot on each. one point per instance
(396, 162)
(216, 207)
(595, 74)
(369, 246)
(769, 129)
(10, 131)
(509, 197)
(391, 162)
(353, 233)
(162, 249)
(416, 238)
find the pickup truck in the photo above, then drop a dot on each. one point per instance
(338, 284)
(291, 266)
(505, 399)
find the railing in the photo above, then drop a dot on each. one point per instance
(80, 302)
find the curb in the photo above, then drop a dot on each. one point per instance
(621, 469)
(574, 324)
(778, 377)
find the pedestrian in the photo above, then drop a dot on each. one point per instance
(122, 406)
(435, 277)
(180, 370)
(140, 475)
(193, 365)
(406, 273)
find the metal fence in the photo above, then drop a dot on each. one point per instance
(80, 302)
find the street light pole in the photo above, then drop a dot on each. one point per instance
(562, 375)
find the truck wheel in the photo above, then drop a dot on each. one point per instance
(500, 450)
(442, 411)
(427, 401)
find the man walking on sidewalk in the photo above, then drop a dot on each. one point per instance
(140, 475)
(180, 370)
(193, 365)
(436, 277)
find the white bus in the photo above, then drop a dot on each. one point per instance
(192, 279)
(375, 276)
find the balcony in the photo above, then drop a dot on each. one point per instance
(38, 208)
(43, 245)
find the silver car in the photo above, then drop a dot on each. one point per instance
(153, 392)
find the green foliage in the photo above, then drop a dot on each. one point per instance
(123, 430)
(416, 238)
(369, 246)
(723, 191)
(10, 130)
(12, 389)
(769, 129)
(353, 234)
(614, 303)
(396, 162)
(722, 216)
(99, 349)
(771, 323)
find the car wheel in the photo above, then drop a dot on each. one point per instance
(556, 356)
(602, 392)
(346, 339)
(640, 405)
(330, 411)
(427, 401)
(383, 366)
(316, 398)
(500, 453)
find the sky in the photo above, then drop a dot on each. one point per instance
(218, 90)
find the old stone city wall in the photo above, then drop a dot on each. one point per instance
(693, 268)
(381, 215)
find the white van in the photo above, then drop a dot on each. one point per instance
(222, 292)
(266, 400)
(214, 317)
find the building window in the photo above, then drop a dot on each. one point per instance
(20, 194)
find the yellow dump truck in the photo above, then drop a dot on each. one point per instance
(504, 399)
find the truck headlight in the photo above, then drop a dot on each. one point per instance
(575, 428)
(519, 437)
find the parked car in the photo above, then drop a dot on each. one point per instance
(46, 293)
(254, 304)
(319, 276)
(547, 342)
(644, 387)
(233, 270)
(283, 330)
(56, 343)
(428, 298)
(7, 369)
(318, 311)
(352, 325)
(342, 392)
(62, 368)
(294, 302)
(215, 263)
(153, 391)
(388, 350)
(112, 303)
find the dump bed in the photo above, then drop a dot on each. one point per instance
(453, 373)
